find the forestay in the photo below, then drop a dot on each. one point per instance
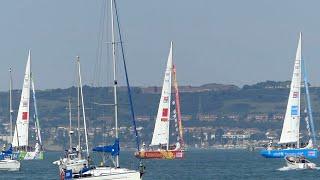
(290, 130)
(161, 129)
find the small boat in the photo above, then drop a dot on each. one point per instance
(9, 158)
(160, 147)
(21, 133)
(9, 164)
(289, 143)
(108, 173)
(72, 161)
(299, 162)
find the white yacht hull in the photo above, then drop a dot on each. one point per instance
(9, 165)
(296, 163)
(76, 165)
(109, 173)
(301, 165)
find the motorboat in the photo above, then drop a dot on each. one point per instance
(299, 162)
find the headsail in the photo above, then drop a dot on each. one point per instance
(178, 111)
(20, 137)
(161, 129)
(36, 115)
(290, 130)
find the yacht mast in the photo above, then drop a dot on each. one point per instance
(78, 107)
(170, 56)
(10, 104)
(115, 83)
(70, 117)
(299, 54)
(83, 111)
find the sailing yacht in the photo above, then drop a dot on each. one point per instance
(9, 158)
(289, 144)
(161, 133)
(104, 171)
(21, 132)
(74, 160)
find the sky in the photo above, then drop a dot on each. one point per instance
(229, 42)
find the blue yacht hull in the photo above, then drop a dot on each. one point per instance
(12, 155)
(281, 153)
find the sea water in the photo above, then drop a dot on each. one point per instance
(197, 165)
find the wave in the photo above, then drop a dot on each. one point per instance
(287, 168)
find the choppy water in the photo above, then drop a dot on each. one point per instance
(198, 165)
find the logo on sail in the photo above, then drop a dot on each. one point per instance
(165, 99)
(164, 114)
(294, 110)
(25, 116)
(25, 103)
(295, 94)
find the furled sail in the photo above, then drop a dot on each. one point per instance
(20, 137)
(290, 129)
(161, 129)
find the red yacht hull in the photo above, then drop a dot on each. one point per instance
(160, 154)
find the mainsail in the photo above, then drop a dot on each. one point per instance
(290, 130)
(161, 129)
(20, 137)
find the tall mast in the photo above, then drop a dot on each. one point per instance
(10, 104)
(170, 56)
(299, 57)
(70, 130)
(83, 111)
(78, 107)
(115, 83)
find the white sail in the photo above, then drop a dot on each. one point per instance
(37, 125)
(161, 129)
(290, 129)
(20, 137)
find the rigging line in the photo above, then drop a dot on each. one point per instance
(178, 110)
(73, 88)
(305, 113)
(71, 93)
(308, 101)
(100, 37)
(83, 108)
(96, 81)
(38, 129)
(127, 79)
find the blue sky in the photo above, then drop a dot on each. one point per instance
(230, 41)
